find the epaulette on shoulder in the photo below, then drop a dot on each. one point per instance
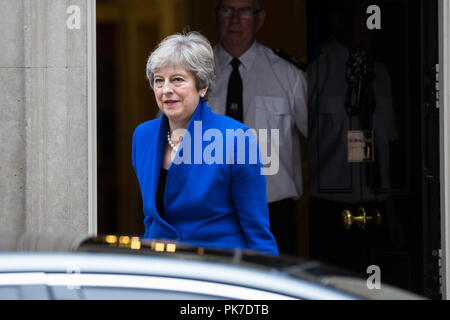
(296, 62)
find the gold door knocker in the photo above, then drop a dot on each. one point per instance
(361, 220)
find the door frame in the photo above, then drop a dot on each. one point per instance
(444, 104)
(444, 116)
(92, 116)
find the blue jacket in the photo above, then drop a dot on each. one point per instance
(210, 205)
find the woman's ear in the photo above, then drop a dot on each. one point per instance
(203, 92)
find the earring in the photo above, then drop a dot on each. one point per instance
(202, 95)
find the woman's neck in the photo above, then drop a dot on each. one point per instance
(180, 125)
(177, 125)
(177, 130)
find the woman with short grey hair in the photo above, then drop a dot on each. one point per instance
(220, 203)
(191, 50)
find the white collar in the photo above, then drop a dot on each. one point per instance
(223, 58)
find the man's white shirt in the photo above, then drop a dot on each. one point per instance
(274, 97)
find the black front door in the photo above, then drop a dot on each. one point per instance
(373, 139)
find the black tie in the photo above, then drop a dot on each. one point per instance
(234, 97)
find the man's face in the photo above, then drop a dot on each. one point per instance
(238, 23)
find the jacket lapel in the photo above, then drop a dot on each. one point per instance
(179, 172)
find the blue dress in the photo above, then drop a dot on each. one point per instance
(212, 197)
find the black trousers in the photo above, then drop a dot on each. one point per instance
(283, 225)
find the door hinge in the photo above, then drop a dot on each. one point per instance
(437, 254)
(432, 89)
(437, 85)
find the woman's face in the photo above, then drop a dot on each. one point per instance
(176, 93)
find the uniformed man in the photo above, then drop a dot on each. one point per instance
(259, 88)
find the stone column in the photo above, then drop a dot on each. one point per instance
(43, 117)
(12, 117)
